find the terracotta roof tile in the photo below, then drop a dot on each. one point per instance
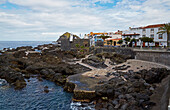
(152, 26)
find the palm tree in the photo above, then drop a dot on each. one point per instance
(166, 29)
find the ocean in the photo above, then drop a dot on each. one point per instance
(32, 97)
(14, 44)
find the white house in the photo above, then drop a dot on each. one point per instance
(147, 31)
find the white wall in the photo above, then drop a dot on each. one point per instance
(148, 33)
(156, 36)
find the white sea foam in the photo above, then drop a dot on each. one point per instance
(80, 106)
(3, 82)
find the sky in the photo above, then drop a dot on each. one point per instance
(46, 20)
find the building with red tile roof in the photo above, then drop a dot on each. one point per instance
(150, 31)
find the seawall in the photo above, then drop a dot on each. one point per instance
(162, 93)
(162, 57)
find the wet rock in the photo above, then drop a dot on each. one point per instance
(19, 84)
(69, 87)
(46, 89)
(13, 77)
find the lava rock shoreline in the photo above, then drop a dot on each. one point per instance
(126, 91)
(21, 63)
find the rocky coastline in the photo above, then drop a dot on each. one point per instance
(48, 62)
(113, 90)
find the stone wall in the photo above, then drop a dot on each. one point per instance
(123, 51)
(162, 92)
(154, 56)
(99, 43)
(65, 44)
(161, 95)
(81, 42)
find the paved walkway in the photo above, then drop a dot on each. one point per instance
(86, 65)
(150, 50)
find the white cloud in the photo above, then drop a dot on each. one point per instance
(48, 19)
(2, 1)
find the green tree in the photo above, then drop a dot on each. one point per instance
(82, 47)
(133, 40)
(127, 39)
(147, 39)
(166, 29)
(108, 42)
(111, 42)
(77, 45)
(103, 37)
(120, 42)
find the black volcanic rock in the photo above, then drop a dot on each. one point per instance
(12, 77)
(133, 94)
(95, 61)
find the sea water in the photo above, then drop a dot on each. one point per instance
(14, 44)
(33, 97)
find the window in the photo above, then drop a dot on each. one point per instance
(152, 36)
(143, 35)
(160, 36)
(144, 30)
(152, 30)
